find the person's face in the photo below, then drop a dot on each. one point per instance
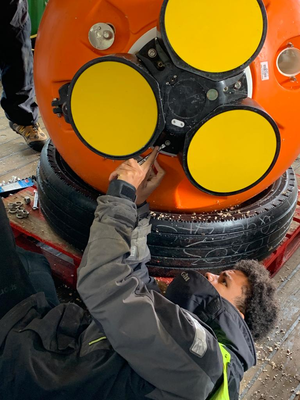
(229, 284)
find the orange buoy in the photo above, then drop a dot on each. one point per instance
(224, 151)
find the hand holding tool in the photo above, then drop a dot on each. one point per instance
(143, 160)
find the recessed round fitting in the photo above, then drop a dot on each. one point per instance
(101, 36)
(212, 94)
(288, 61)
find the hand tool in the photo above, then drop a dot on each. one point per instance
(143, 160)
(35, 200)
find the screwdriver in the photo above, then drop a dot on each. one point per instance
(143, 160)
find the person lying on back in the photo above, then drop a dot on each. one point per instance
(137, 343)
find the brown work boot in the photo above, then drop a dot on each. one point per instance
(33, 135)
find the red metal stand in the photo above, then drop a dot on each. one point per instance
(289, 245)
(34, 233)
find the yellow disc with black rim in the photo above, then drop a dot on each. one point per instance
(113, 108)
(214, 36)
(232, 151)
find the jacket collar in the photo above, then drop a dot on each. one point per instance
(36, 304)
(192, 291)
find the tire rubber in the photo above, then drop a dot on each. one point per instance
(206, 241)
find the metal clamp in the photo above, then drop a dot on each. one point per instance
(17, 208)
(22, 214)
(13, 208)
(60, 104)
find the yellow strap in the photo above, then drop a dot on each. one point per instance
(97, 340)
(223, 393)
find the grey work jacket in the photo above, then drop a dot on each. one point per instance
(162, 350)
(164, 344)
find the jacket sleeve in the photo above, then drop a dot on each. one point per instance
(162, 342)
(139, 251)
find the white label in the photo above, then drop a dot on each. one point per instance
(264, 68)
(199, 345)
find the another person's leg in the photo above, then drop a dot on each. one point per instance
(14, 282)
(16, 63)
(39, 274)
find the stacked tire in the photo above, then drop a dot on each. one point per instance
(198, 241)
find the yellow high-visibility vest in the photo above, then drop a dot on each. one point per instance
(223, 392)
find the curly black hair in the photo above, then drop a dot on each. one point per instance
(258, 303)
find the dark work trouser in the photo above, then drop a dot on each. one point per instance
(16, 63)
(22, 273)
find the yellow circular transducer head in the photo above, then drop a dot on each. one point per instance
(214, 36)
(113, 108)
(232, 151)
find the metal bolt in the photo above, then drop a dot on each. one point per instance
(152, 53)
(107, 35)
(160, 64)
(293, 79)
(225, 89)
(238, 85)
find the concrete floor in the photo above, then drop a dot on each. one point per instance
(277, 375)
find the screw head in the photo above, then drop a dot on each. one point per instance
(152, 53)
(107, 35)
